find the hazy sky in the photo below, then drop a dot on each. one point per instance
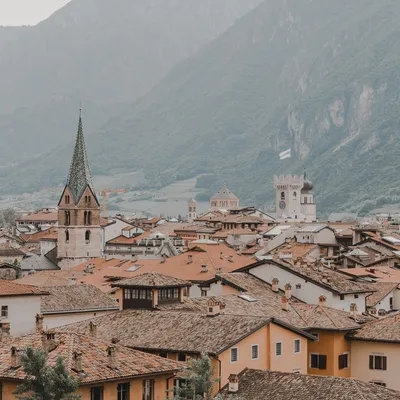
(27, 12)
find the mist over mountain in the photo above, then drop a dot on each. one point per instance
(102, 53)
(319, 77)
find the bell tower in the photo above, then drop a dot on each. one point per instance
(288, 195)
(79, 230)
(192, 210)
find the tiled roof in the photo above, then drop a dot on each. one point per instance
(10, 288)
(154, 280)
(95, 364)
(11, 252)
(224, 193)
(261, 385)
(38, 262)
(296, 249)
(302, 316)
(386, 329)
(40, 216)
(130, 241)
(383, 274)
(46, 278)
(172, 330)
(383, 289)
(339, 282)
(37, 236)
(76, 298)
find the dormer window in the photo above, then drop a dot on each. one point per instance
(50, 336)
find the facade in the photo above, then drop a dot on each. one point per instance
(79, 230)
(224, 199)
(294, 198)
(192, 210)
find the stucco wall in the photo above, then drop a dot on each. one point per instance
(22, 312)
(360, 352)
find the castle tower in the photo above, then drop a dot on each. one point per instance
(79, 231)
(308, 207)
(288, 195)
(192, 210)
(224, 199)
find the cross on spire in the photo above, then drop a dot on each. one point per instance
(79, 173)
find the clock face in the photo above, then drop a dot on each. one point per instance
(282, 205)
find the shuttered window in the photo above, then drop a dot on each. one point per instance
(378, 362)
(297, 347)
(278, 348)
(317, 361)
(234, 354)
(343, 361)
(254, 352)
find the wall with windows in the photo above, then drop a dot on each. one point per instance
(360, 362)
(289, 359)
(21, 313)
(332, 345)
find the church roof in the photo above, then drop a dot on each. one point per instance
(79, 173)
(224, 193)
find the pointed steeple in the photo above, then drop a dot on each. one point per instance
(79, 173)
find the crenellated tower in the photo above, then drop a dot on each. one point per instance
(79, 230)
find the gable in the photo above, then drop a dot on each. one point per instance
(62, 202)
(88, 194)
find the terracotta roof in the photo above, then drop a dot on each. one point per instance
(46, 278)
(10, 288)
(40, 216)
(95, 364)
(154, 280)
(72, 298)
(261, 385)
(339, 282)
(240, 231)
(383, 289)
(386, 329)
(10, 252)
(36, 237)
(383, 274)
(296, 249)
(172, 330)
(129, 241)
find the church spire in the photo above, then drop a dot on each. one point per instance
(79, 173)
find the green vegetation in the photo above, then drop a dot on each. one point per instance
(44, 382)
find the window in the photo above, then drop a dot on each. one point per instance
(164, 355)
(87, 199)
(234, 355)
(317, 361)
(127, 294)
(67, 218)
(66, 236)
(356, 296)
(297, 346)
(278, 348)
(87, 236)
(378, 362)
(96, 393)
(123, 391)
(67, 198)
(344, 361)
(203, 293)
(254, 352)
(141, 294)
(168, 294)
(294, 195)
(4, 311)
(282, 195)
(182, 357)
(316, 335)
(298, 285)
(342, 297)
(148, 389)
(380, 383)
(391, 303)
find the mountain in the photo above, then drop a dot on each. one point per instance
(320, 77)
(103, 53)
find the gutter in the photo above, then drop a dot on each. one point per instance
(220, 371)
(79, 310)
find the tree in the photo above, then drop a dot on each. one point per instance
(44, 382)
(200, 380)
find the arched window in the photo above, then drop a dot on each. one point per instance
(67, 218)
(67, 198)
(66, 235)
(89, 218)
(305, 200)
(282, 195)
(87, 236)
(294, 195)
(87, 199)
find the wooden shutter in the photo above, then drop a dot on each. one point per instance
(322, 362)
(384, 363)
(371, 362)
(341, 361)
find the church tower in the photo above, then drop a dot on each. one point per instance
(192, 210)
(308, 206)
(79, 231)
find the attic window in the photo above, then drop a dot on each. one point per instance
(50, 336)
(247, 298)
(298, 286)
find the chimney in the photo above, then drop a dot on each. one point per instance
(285, 303)
(39, 322)
(230, 259)
(219, 270)
(288, 291)
(321, 300)
(190, 258)
(204, 268)
(275, 283)
(233, 383)
(353, 310)
(163, 258)
(112, 360)
(5, 329)
(221, 255)
(15, 357)
(77, 360)
(72, 281)
(213, 307)
(92, 329)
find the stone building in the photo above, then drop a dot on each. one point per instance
(192, 210)
(224, 199)
(79, 230)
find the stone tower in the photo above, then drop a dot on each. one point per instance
(294, 198)
(79, 231)
(192, 210)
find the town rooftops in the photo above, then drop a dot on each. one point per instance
(382, 290)
(37, 236)
(95, 360)
(386, 329)
(46, 278)
(312, 228)
(8, 251)
(173, 330)
(261, 385)
(8, 288)
(41, 216)
(76, 298)
(152, 279)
